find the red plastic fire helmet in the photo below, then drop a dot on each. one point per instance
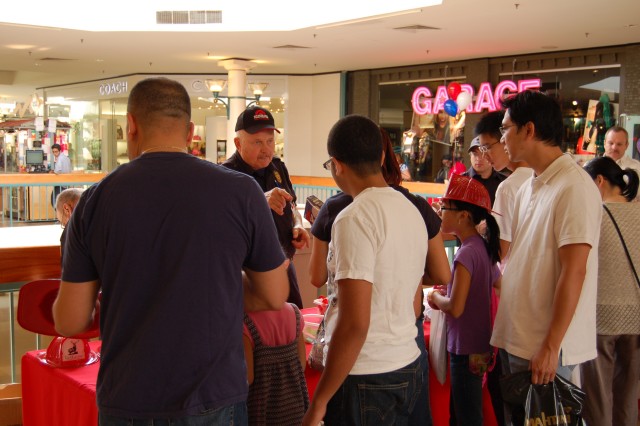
(69, 352)
(469, 190)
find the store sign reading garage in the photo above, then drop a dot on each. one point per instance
(115, 88)
(486, 99)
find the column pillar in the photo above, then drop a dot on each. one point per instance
(236, 91)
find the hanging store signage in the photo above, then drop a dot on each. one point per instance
(486, 99)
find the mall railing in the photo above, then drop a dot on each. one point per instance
(9, 297)
(28, 198)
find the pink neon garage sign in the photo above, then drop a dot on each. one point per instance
(486, 99)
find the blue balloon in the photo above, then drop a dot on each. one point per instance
(451, 107)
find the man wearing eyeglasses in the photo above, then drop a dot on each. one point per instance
(254, 156)
(493, 148)
(546, 321)
(373, 368)
(488, 133)
(482, 170)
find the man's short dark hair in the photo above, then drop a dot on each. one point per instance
(489, 124)
(56, 146)
(156, 98)
(356, 141)
(541, 110)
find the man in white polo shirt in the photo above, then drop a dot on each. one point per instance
(546, 320)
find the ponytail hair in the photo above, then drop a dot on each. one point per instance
(492, 234)
(626, 180)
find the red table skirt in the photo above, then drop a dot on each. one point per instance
(67, 396)
(58, 396)
(438, 394)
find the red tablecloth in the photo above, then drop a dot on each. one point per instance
(58, 396)
(67, 396)
(438, 394)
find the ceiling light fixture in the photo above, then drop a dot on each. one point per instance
(217, 86)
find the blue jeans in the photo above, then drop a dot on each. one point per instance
(376, 399)
(231, 415)
(421, 414)
(466, 392)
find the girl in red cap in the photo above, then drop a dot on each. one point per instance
(467, 302)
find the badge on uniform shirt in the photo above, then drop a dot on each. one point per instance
(276, 175)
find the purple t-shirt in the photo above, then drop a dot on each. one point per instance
(471, 332)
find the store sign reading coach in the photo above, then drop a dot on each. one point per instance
(118, 87)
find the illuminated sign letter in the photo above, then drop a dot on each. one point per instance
(533, 83)
(441, 98)
(419, 106)
(502, 87)
(485, 98)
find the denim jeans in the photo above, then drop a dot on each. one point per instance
(376, 399)
(466, 392)
(230, 415)
(421, 414)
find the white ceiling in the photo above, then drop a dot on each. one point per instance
(32, 57)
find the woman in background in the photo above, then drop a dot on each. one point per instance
(611, 380)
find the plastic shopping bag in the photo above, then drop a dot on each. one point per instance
(316, 355)
(438, 345)
(556, 403)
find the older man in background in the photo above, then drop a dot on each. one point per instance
(616, 142)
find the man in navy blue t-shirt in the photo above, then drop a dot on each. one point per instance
(166, 237)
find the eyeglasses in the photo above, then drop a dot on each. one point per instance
(503, 129)
(453, 209)
(486, 148)
(327, 165)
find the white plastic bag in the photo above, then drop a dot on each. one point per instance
(438, 345)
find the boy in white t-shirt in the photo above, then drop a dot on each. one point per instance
(379, 245)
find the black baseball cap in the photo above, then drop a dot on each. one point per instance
(254, 119)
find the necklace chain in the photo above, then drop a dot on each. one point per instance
(165, 149)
